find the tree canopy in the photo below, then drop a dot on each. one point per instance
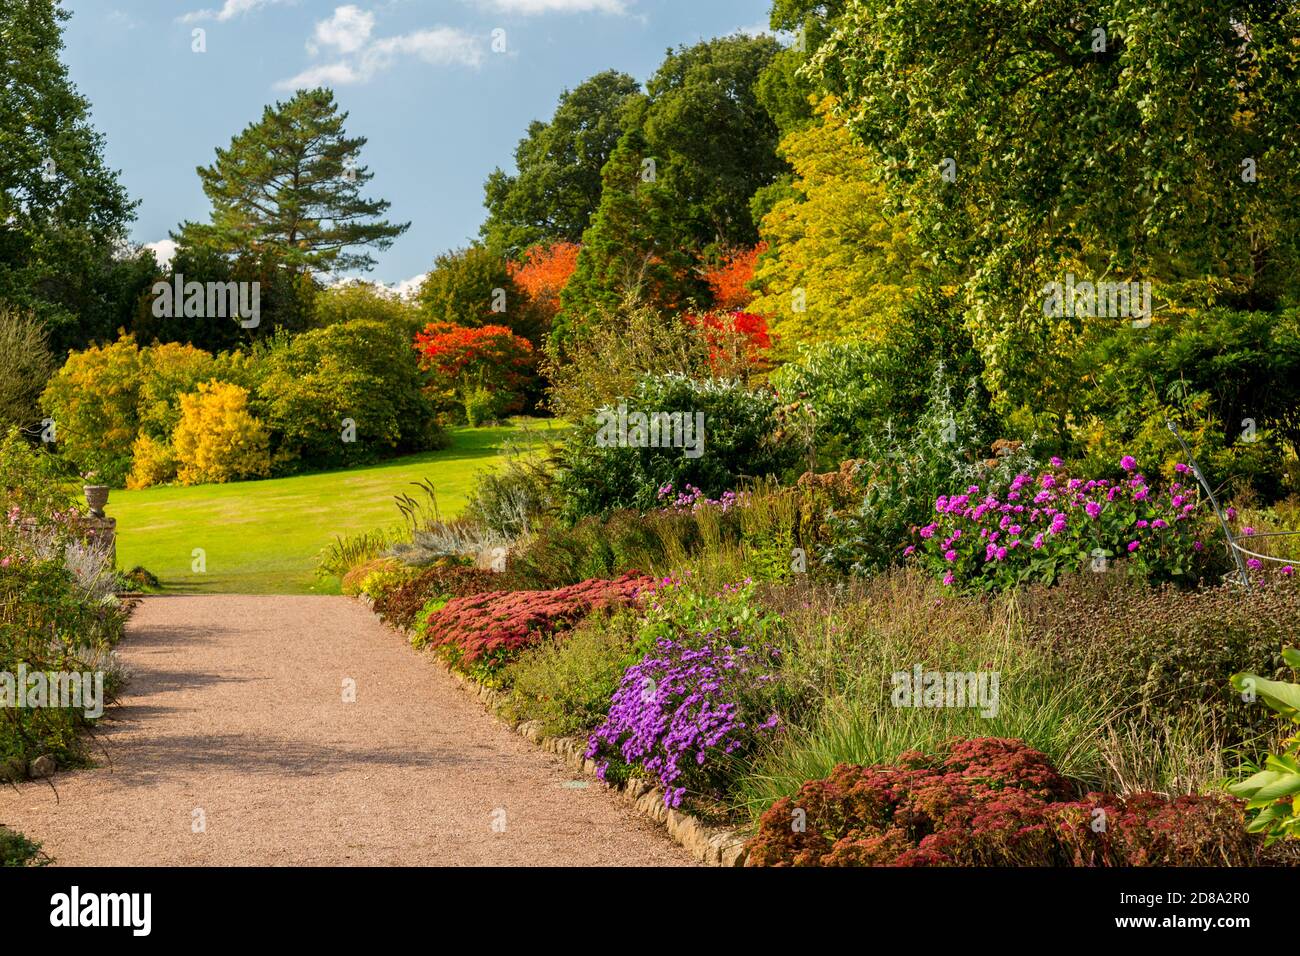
(556, 188)
(291, 183)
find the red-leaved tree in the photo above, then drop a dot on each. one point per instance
(489, 357)
(736, 339)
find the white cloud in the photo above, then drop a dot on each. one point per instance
(163, 250)
(408, 287)
(441, 46)
(326, 74)
(229, 10)
(535, 7)
(346, 31)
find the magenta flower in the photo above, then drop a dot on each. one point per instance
(1133, 546)
(1056, 462)
(950, 555)
(1128, 463)
(1093, 509)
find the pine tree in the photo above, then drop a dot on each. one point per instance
(633, 249)
(291, 184)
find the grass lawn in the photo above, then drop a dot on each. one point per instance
(263, 537)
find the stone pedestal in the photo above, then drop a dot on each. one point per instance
(101, 532)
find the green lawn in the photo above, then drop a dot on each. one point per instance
(263, 537)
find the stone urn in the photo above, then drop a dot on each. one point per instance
(96, 497)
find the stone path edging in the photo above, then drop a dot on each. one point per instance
(713, 846)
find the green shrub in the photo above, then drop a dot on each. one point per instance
(17, 850)
(361, 372)
(853, 391)
(737, 442)
(908, 470)
(1229, 378)
(567, 684)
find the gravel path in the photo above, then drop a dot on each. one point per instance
(235, 709)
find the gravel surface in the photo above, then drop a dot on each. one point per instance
(235, 718)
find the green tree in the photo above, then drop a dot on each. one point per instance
(713, 141)
(365, 300)
(62, 211)
(1115, 141)
(840, 264)
(292, 183)
(472, 287)
(556, 187)
(634, 249)
(286, 299)
(25, 366)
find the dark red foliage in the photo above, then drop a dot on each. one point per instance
(990, 802)
(401, 605)
(497, 624)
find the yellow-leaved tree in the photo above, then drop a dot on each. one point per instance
(217, 438)
(839, 264)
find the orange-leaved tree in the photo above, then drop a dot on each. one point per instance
(542, 272)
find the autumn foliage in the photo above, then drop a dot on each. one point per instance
(730, 278)
(489, 629)
(543, 272)
(736, 339)
(488, 355)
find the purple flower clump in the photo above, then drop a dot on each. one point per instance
(680, 713)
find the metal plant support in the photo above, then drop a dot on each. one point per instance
(1234, 546)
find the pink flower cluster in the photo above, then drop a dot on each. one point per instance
(1041, 525)
(692, 499)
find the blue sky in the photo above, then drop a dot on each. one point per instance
(420, 79)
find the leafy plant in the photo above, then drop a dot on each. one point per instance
(1273, 790)
(481, 633)
(17, 850)
(1037, 527)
